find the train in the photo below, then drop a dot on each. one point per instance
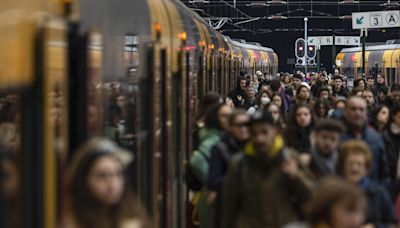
(133, 71)
(384, 59)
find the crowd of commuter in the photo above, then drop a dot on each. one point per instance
(295, 150)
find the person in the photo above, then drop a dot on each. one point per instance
(394, 96)
(250, 99)
(323, 152)
(277, 99)
(238, 94)
(356, 92)
(392, 142)
(277, 114)
(321, 81)
(368, 95)
(380, 82)
(263, 99)
(360, 84)
(382, 94)
(338, 88)
(300, 125)
(98, 192)
(321, 108)
(302, 97)
(355, 119)
(354, 163)
(337, 204)
(340, 105)
(216, 122)
(209, 100)
(222, 152)
(371, 85)
(276, 87)
(265, 186)
(296, 80)
(380, 118)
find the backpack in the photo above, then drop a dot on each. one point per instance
(193, 183)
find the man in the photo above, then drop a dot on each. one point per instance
(338, 89)
(355, 119)
(370, 83)
(264, 181)
(326, 136)
(250, 99)
(368, 96)
(394, 96)
(238, 94)
(296, 80)
(221, 154)
(321, 81)
(382, 94)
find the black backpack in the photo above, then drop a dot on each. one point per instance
(191, 180)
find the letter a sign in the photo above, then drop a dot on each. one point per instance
(376, 19)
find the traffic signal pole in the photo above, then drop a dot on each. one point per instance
(306, 44)
(363, 38)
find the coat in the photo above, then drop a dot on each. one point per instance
(257, 194)
(200, 168)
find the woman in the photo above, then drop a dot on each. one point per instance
(360, 84)
(380, 118)
(337, 204)
(98, 190)
(354, 164)
(297, 134)
(392, 140)
(216, 122)
(263, 99)
(276, 114)
(302, 97)
(277, 99)
(321, 108)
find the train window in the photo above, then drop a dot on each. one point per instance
(94, 84)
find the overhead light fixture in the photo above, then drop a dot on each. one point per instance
(390, 4)
(199, 1)
(348, 2)
(247, 21)
(257, 4)
(346, 17)
(277, 18)
(277, 2)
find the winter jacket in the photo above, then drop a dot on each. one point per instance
(257, 194)
(200, 167)
(235, 95)
(380, 164)
(298, 138)
(343, 92)
(380, 208)
(392, 143)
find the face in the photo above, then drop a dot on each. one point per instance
(395, 95)
(106, 180)
(346, 216)
(361, 85)
(356, 112)
(324, 95)
(250, 92)
(287, 80)
(121, 101)
(304, 93)
(396, 118)
(238, 129)
(262, 136)
(371, 82)
(277, 100)
(355, 167)
(327, 142)
(369, 97)
(274, 110)
(321, 110)
(296, 82)
(322, 77)
(380, 79)
(340, 105)
(223, 114)
(338, 83)
(243, 84)
(383, 116)
(303, 117)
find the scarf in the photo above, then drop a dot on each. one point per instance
(275, 149)
(324, 165)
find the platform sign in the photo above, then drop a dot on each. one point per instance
(347, 40)
(376, 19)
(320, 40)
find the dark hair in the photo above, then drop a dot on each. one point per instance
(393, 111)
(83, 205)
(337, 77)
(318, 103)
(293, 119)
(370, 77)
(323, 88)
(330, 125)
(300, 87)
(369, 90)
(333, 190)
(384, 90)
(211, 119)
(395, 87)
(209, 100)
(357, 82)
(354, 91)
(262, 116)
(240, 78)
(374, 117)
(282, 105)
(275, 85)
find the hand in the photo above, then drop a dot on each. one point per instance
(305, 159)
(210, 198)
(290, 167)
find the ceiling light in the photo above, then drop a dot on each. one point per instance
(346, 17)
(348, 2)
(277, 17)
(277, 2)
(257, 4)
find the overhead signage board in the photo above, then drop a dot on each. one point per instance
(320, 40)
(376, 19)
(347, 40)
